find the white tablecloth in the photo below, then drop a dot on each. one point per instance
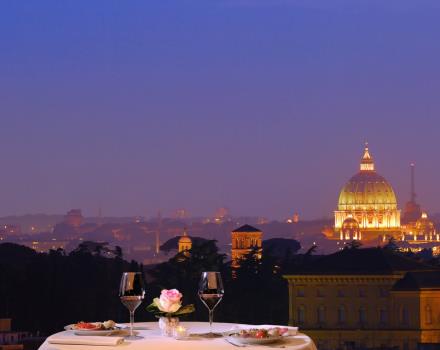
(154, 340)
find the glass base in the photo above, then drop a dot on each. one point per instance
(133, 337)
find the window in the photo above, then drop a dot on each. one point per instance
(341, 293)
(300, 293)
(301, 314)
(383, 316)
(404, 316)
(362, 315)
(428, 314)
(321, 314)
(341, 314)
(383, 292)
(362, 293)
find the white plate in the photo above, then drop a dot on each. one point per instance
(70, 327)
(254, 341)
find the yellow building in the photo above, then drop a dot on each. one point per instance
(244, 239)
(367, 206)
(185, 242)
(366, 298)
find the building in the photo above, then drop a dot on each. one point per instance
(44, 246)
(244, 240)
(185, 242)
(74, 218)
(366, 298)
(9, 339)
(369, 200)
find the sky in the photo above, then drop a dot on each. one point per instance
(262, 106)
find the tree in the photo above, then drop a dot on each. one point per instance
(354, 244)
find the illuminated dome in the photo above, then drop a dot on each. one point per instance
(367, 206)
(185, 242)
(367, 190)
(185, 238)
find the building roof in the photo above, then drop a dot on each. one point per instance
(367, 261)
(414, 281)
(246, 228)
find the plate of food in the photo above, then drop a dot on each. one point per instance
(93, 328)
(257, 336)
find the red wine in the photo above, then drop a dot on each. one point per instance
(131, 302)
(211, 300)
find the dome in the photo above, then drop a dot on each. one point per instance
(350, 229)
(424, 225)
(350, 223)
(367, 190)
(185, 238)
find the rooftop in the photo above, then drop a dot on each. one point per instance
(367, 261)
(414, 281)
(246, 228)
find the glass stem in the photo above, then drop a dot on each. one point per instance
(131, 322)
(211, 317)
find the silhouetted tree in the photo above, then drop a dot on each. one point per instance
(354, 244)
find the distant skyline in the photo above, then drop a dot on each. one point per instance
(259, 106)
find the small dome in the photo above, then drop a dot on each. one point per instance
(350, 229)
(425, 225)
(350, 223)
(185, 238)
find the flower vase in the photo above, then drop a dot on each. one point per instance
(167, 325)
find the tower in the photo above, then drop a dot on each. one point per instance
(412, 211)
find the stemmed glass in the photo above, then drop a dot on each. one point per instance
(211, 293)
(132, 292)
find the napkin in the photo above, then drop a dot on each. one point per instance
(90, 340)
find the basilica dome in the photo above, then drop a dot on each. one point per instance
(367, 190)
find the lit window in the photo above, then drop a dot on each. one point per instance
(428, 314)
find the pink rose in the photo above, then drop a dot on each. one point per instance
(169, 301)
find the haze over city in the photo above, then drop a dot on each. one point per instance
(203, 104)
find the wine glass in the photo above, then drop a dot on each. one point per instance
(211, 293)
(132, 292)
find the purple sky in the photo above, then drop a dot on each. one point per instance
(258, 105)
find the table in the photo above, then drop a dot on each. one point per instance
(154, 340)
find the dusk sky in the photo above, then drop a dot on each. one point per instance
(261, 106)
